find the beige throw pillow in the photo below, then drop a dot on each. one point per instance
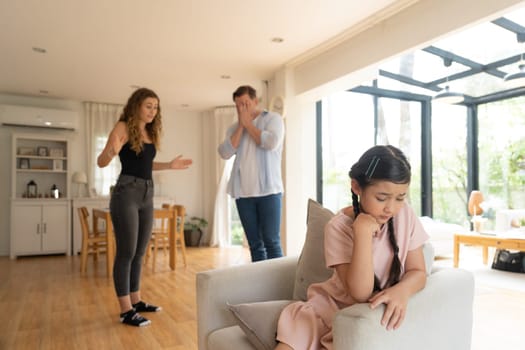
(259, 321)
(311, 267)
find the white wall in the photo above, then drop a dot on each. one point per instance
(182, 135)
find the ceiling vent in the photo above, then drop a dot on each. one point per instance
(37, 117)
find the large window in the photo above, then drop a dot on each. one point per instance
(351, 124)
(348, 131)
(399, 124)
(350, 127)
(449, 163)
(476, 144)
(501, 145)
(104, 178)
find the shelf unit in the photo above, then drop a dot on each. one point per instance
(40, 222)
(43, 159)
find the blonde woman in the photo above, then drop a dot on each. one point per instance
(135, 139)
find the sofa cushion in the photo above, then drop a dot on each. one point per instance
(311, 267)
(259, 321)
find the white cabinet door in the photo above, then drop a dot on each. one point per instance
(26, 230)
(54, 221)
(39, 228)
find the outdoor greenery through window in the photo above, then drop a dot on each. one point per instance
(348, 131)
(237, 232)
(449, 163)
(502, 156)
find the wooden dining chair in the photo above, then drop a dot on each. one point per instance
(160, 233)
(180, 214)
(91, 243)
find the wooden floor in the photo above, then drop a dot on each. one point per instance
(46, 304)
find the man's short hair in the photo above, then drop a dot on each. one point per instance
(245, 89)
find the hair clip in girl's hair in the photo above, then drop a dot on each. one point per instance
(372, 166)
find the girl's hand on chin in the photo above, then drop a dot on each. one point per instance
(366, 223)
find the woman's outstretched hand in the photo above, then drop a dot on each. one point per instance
(180, 163)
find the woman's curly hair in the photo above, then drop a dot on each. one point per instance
(131, 116)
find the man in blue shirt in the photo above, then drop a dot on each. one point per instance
(256, 140)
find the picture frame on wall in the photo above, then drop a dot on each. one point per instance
(23, 163)
(42, 151)
(58, 164)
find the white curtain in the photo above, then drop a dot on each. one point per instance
(223, 117)
(100, 120)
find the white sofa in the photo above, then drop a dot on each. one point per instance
(441, 235)
(438, 317)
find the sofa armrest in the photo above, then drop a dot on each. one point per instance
(261, 281)
(438, 317)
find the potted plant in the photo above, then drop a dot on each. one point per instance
(193, 230)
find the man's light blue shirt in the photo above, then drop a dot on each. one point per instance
(267, 156)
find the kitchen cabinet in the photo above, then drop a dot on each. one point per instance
(39, 227)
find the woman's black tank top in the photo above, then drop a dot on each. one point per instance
(140, 165)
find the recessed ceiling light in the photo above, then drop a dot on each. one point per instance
(225, 76)
(184, 105)
(39, 49)
(277, 40)
(134, 87)
(44, 92)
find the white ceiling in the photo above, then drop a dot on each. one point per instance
(97, 49)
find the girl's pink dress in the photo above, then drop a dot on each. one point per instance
(308, 325)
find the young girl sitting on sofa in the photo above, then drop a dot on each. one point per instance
(375, 249)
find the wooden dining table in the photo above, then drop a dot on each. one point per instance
(103, 214)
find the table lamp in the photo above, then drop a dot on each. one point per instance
(79, 178)
(475, 210)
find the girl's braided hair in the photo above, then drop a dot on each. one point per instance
(382, 163)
